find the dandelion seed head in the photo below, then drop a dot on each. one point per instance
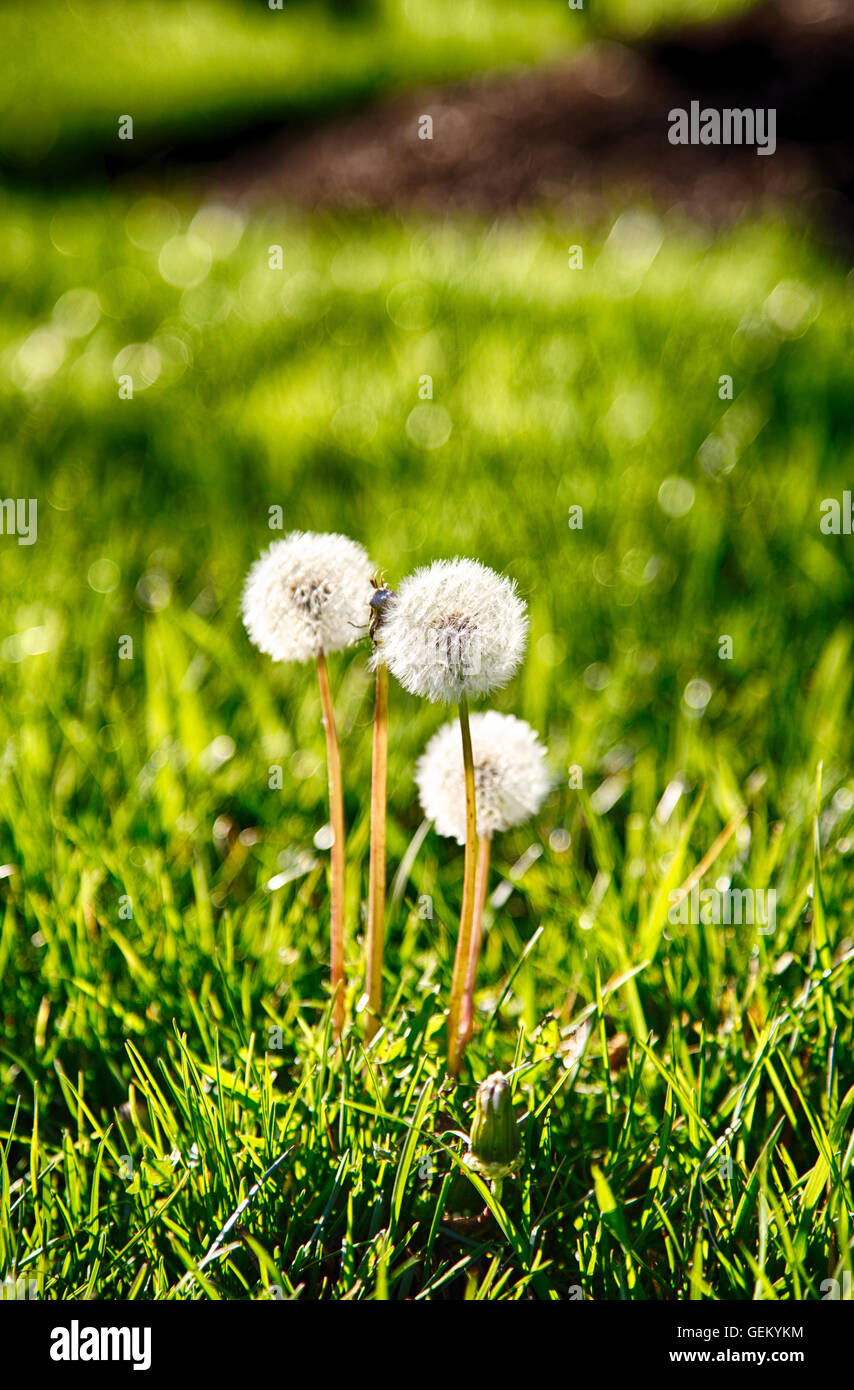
(510, 774)
(308, 593)
(455, 628)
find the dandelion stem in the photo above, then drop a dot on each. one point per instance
(337, 857)
(480, 891)
(467, 914)
(376, 876)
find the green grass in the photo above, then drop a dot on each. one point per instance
(200, 69)
(146, 781)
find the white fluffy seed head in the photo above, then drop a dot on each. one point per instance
(455, 628)
(308, 593)
(510, 773)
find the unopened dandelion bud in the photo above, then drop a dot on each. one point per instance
(494, 1140)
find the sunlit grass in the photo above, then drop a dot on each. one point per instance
(165, 910)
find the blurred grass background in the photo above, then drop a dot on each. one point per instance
(189, 70)
(304, 388)
(144, 783)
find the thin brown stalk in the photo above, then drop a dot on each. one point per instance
(337, 856)
(467, 913)
(481, 888)
(376, 875)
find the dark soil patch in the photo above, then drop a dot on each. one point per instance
(594, 130)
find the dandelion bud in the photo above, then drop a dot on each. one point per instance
(494, 1140)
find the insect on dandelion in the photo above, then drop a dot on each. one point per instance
(511, 779)
(456, 630)
(306, 597)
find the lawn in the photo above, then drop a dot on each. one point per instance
(196, 71)
(684, 1091)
